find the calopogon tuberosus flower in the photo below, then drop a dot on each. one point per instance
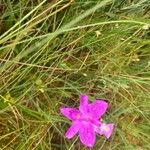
(86, 121)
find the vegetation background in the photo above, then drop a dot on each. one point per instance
(51, 51)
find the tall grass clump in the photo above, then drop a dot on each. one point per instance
(51, 51)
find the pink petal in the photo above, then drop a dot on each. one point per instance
(87, 134)
(97, 108)
(106, 129)
(83, 103)
(72, 130)
(70, 113)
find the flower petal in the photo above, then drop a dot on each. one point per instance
(72, 130)
(97, 108)
(83, 103)
(106, 129)
(87, 134)
(70, 113)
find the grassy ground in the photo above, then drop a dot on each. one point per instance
(51, 51)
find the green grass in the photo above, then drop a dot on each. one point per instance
(52, 51)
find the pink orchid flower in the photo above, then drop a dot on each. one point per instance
(86, 121)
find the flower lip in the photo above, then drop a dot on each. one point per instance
(88, 119)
